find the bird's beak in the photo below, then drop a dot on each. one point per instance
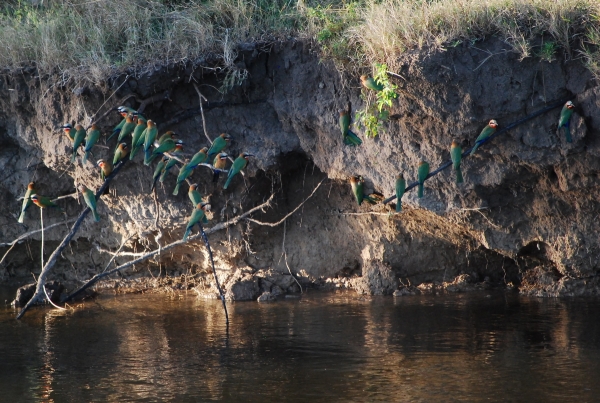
(250, 155)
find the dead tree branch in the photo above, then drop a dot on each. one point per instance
(202, 97)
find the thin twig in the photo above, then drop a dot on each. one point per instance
(202, 111)
(285, 256)
(111, 95)
(114, 256)
(50, 301)
(105, 114)
(212, 263)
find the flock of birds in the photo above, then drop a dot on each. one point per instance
(144, 135)
(456, 152)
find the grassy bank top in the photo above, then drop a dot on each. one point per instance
(97, 38)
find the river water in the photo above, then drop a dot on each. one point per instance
(322, 347)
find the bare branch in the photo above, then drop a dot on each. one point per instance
(202, 111)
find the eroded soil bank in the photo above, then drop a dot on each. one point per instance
(525, 216)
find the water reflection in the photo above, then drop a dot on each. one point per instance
(321, 347)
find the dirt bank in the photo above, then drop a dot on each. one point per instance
(527, 207)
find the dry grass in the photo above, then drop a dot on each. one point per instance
(97, 38)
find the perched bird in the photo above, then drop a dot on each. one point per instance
(90, 200)
(350, 138)
(370, 83)
(485, 133)
(149, 137)
(166, 147)
(565, 119)
(239, 164)
(194, 195)
(171, 163)
(92, 137)
(43, 202)
(68, 130)
(120, 153)
(80, 135)
(219, 145)
(456, 156)
(106, 168)
(123, 111)
(138, 138)
(400, 188)
(219, 164)
(127, 128)
(198, 158)
(160, 167)
(183, 175)
(166, 136)
(422, 172)
(26, 201)
(357, 183)
(197, 216)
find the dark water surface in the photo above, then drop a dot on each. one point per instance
(318, 348)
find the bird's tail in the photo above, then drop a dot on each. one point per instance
(420, 192)
(459, 177)
(74, 155)
(187, 232)
(351, 139)
(373, 198)
(96, 215)
(148, 157)
(176, 191)
(153, 184)
(113, 133)
(216, 173)
(398, 205)
(227, 182)
(134, 150)
(85, 156)
(474, 149)
(568, 133)
(21, 217)
(163, 175)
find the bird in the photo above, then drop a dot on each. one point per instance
(118, 128)
(92, 137)
(183, 175)
(168, 135)
(565, 119)
(370, 83)
(158, 170)
(120, 153)
(43, 202)
(138, 138)
(197, 159)
(485, 133)
(106, 168)
(197, 216)
(68, 130)
(172, 161)
(400, 188)
(456, 156)
(422, 172)
(127, 128)
(194, 195)
(78, 139)
(357, 182)
(167, 146)
(239, 164)
(218, 145)
(350, 138)
(26, 201)
(219, 163)
(149, 137)
(90, 200)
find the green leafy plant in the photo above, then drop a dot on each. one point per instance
(377, 111)
(547, 51)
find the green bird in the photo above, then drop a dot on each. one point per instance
(92, 138)
(160, 167)
(358, 183)
(456, 156)
(125, 110)
(168, 135)
(90, 200)
(218, 145)
(400, 188)
(120, 153)
(171, 163)
(198, 158)
(166, 147)
(239, 164)
(43, 202)
(106, 168)
(219, 164)
(118, 128)
(422, 172)
(78, 140)
(485, 133)
(138, 138)
(149, 137)
(350, 138)
(197, 216)
(26, 201)
(194, 195)
(68, 130)
(565, 119)
(127, 128)
(370, 83)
